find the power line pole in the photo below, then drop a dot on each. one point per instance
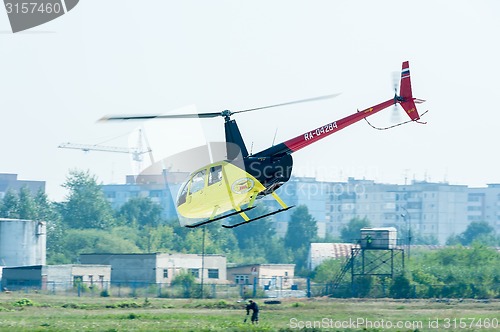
(202, 259)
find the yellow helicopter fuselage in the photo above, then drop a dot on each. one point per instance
(215, 189)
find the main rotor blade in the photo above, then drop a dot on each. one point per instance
(290, 103)
(206, 115)
(159, 116)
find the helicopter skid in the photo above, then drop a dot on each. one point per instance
(260, 217)
(219, 218)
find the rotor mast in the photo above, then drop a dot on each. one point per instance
(233, 135)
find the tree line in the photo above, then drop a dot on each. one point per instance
(451, 272)
(85, 222)
(477, 231)
(468, 267)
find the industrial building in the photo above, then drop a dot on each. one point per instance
(268, 276)
(56, 277)
(22, 242)
(160, 267)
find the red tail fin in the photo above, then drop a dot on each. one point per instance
(406, 99)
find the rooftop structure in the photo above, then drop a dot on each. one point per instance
(10, 182)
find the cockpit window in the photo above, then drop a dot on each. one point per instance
(183, 194)
(215, 175)
(197, 182)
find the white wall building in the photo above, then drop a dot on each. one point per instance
(56, 277)
(160, 267)
(22, 242)
(268, 276)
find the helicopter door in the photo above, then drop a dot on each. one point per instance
(215, 192)
(197, 186)
(215, 175)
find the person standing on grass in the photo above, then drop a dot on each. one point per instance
(255, 311)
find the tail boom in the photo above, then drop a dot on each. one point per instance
(317, 134)
(405, 99)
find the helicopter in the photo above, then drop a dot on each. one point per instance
(232, 185)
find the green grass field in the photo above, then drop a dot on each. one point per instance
(36, 312)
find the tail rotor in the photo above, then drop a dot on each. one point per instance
(405, 99)
(395, 114)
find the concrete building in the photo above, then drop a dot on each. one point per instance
(442, 209)
(22, 242)
(433, 211)
(301, 191)
(358, 199)
(483, 204)
(160, 189)
(160, 267)
(10, 182)
(269, 276)
(436, 210)
(56, 277)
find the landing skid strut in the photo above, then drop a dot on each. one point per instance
(218, 218)
(260, 217)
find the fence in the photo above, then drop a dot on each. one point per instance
(129, 289)
(264, 287)
(300, 288)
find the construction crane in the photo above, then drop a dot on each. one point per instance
(136, 152)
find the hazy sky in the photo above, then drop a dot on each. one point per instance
(154, 56)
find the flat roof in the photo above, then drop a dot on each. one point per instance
(146, 254)
(271, 265)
